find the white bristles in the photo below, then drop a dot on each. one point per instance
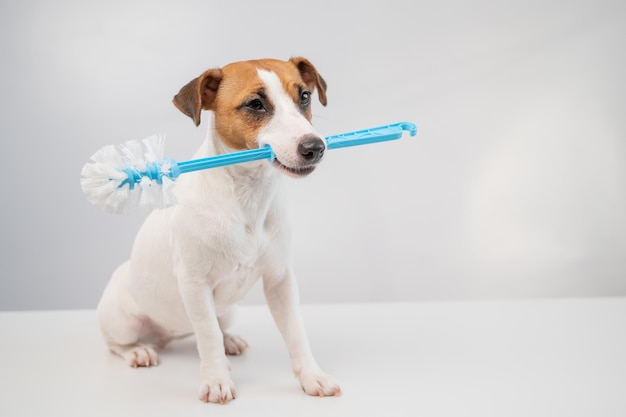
(102, 175)
(154, 146)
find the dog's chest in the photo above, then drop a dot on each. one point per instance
(256, 244)
(239, 274)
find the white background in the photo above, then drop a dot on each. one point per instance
(514, 187)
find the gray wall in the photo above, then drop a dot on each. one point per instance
(514, 187)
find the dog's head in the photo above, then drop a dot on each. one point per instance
(262, 102)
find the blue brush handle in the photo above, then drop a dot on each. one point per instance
(360, 137)
(373, 135)
(226, 159)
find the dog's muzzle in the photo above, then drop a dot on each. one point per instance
(310, 151)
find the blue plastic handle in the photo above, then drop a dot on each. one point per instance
(155, 171)
(227, 159)
(373, 135)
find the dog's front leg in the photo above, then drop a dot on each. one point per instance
(216, 385)
(283, 300)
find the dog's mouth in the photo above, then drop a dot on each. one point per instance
(294, 172)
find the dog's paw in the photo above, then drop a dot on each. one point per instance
(234, 345)
(217, 389)
(141, 355)
(318, 383)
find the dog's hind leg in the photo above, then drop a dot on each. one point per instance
(233, 344)
(122, 325)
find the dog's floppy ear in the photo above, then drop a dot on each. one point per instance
(198, 94)
(311, 77)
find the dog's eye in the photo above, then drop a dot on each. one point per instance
(305, 98)
(256, 105)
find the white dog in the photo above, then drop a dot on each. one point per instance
(192, 262)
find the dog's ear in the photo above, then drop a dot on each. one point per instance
(198, 94)
(311, 77)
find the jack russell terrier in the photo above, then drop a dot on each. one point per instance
(192, 262)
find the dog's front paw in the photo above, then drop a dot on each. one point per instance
(217, 388)
(318, 383)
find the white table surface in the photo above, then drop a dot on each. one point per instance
(508, 358)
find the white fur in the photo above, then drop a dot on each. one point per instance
(287, 119)
(192, 262)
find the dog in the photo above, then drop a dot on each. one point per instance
(190, 264)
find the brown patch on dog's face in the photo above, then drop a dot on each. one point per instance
(242, 106)
(239, 99)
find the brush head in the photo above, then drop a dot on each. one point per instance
(115, 177)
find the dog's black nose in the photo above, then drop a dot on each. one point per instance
(312, 148)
